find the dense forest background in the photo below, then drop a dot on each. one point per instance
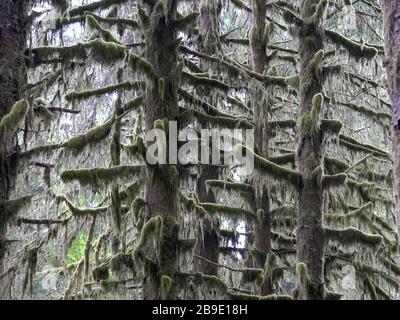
(83, 215)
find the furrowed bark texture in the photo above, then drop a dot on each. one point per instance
(163, 184)
(310, 235)
(258, 53)
(12, 79)
(391, 15)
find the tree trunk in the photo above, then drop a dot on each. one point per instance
(258, 53)
(207, 235)
(310, 234)
(391, 16)
(163, 184)
(12, 80)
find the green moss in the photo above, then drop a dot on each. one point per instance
(161, 88)
(128, 85)
(320, 9)
(329, 181)
(310, 122)
(230, 186)
(93, 136)
(101, 4)
(138, 63)
(367, 111)
(358, 146)
(269, 267)
(93, 24)
(101, 272)
(138, 149)
(230, 212)
(284, 159)
(10, 122)
(354, 235)
(99, 176)
(282, 124)
(335, 165)
(121, 260)
(76, 211)
(151, 227)
(60, 4)
(331, 126)
(133, 104)
(276, 171)
(316, 62)
(293, 81)
(226, 122)
(205, 81)
(356, 50)
(165, 286)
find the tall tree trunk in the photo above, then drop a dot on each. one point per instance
(12, 79)
(258, 53)
(207, 234)
(162, 103)
(310, 234)
(391, 16)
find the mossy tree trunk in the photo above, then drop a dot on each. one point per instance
(163, 183)
(391, 15)
(12, 79)
(258, 54)
(310, 234)
(207, 234)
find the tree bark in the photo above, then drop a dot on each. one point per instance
(207, 234)
(310, 234)
(391, 16)
(12, 80)
(258, 54)
(163, 184)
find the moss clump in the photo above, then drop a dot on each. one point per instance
(367, 111)
(231, 212)
(165, 286)
(293, 81)
(310, 122)
(10, 122)
(358, 146)
(356, 50)
(331, 126)
(91, 137)
(138, 63)
(151, 227)
(121, 260)
(230, 186)
(161, 88)
(101, 272)
(205, 81)
(98, 176)
(80, 211)
(276, 171)
(128, 85)
(329, 181)
(133, 104)
(354, 235)
(93, 24)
